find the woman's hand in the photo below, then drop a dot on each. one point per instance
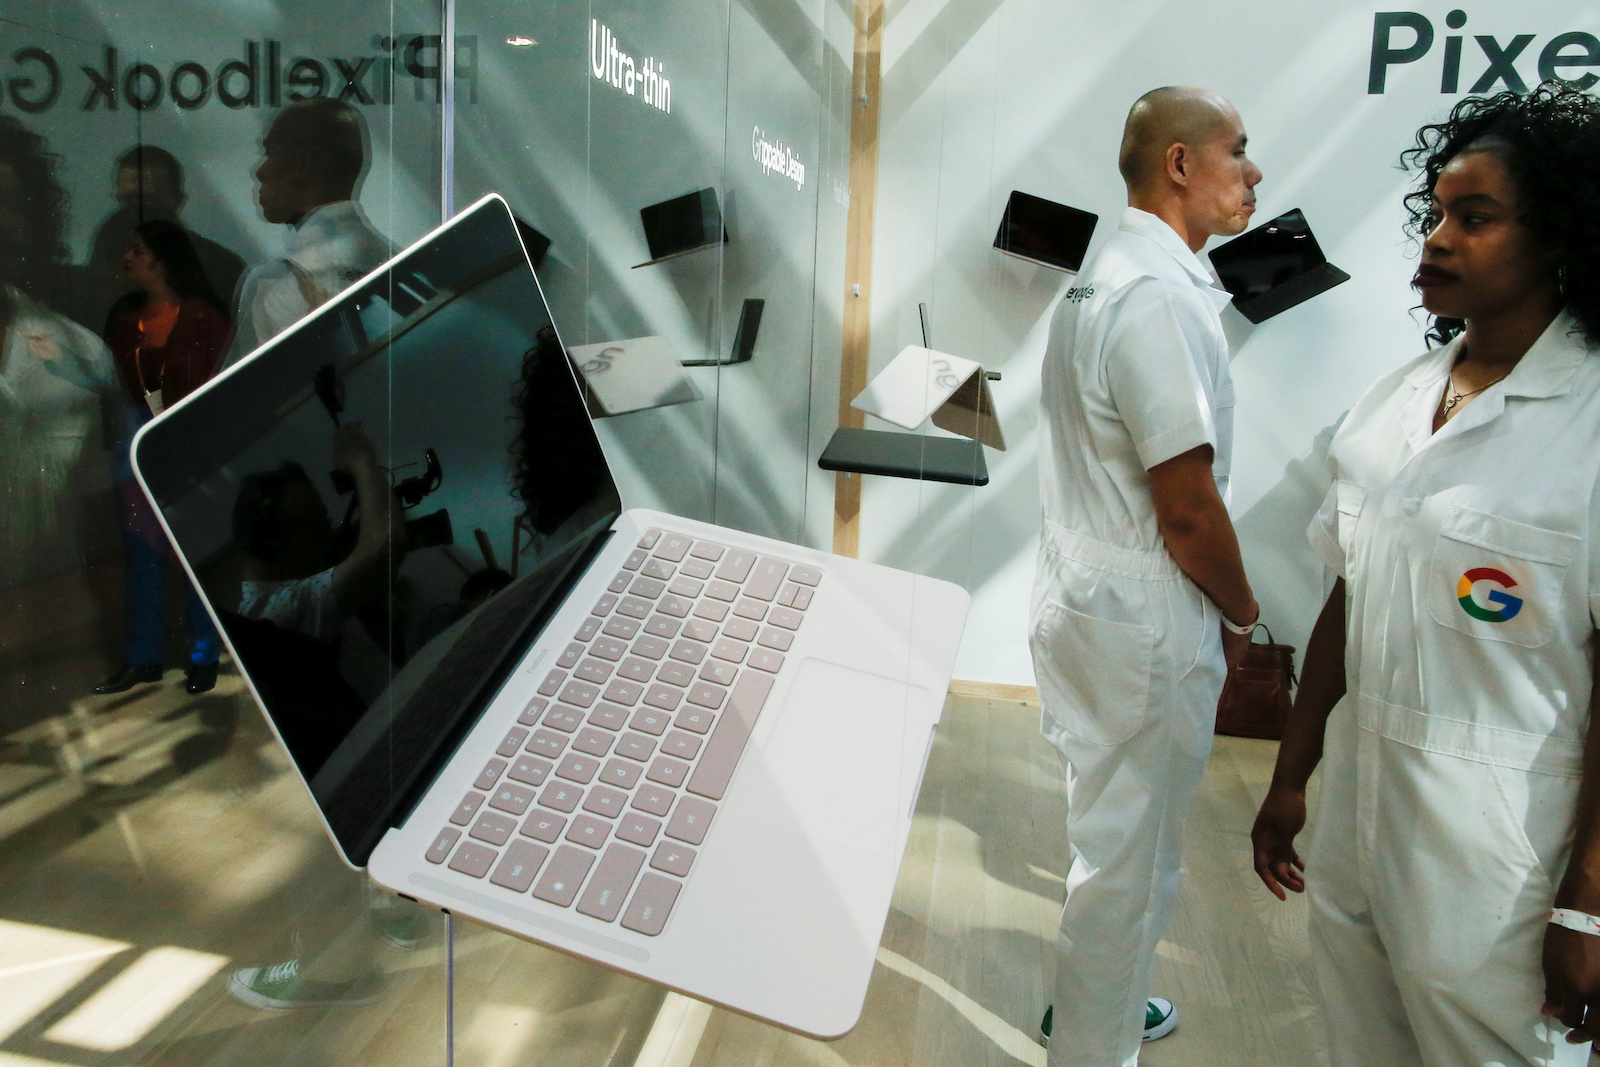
(1572, 981)
(1282, 816)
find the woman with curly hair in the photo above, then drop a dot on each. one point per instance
(1454, 869)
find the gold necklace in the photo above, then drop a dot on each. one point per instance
(1456, 396)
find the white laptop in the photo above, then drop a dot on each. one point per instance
(633, 375)
(675, 749)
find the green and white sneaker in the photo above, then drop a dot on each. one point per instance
(1160, 1018)
(280, 988)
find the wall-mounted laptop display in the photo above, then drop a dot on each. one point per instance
(1275, 266)
(682, 225)
(744, 337)
(1043, 231)
(632, 375)
(678, 750)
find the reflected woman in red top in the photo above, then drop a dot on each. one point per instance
(166, 338)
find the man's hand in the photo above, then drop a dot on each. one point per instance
(1572, 981)
(352, 450)
(1282, 816)
(1233, 646)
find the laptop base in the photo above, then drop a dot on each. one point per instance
(954, 460)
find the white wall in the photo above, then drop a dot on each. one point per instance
(984, 96)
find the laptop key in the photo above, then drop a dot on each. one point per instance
(680, 744)
(608, 716)
(650, 647)
(561, 796)
(786, 597)
(736, 565)
(750, 609)
(699, 630)
(563, 718)
(612, 879)
(802, 597)
(621, 773)
(650, 720)
(639, 829)
(590, 627)
(563, 875)
(674, 673)
(721, 590)
(651, 904)
(766, 660)
(633, 607)
(439, 851)
(688, 651)
(673, 547)
(493, 828)
(648, 541)
(588, 831)
(512, 742)
(511, 797)
(668, 771)
(593, 742)
(530, 715)
(545, 743)
(772, 637)
(608, 649)
(707, 550)
(635, 747)
(673, 858)
(696, 568)
(665, 697)
(636, 670)
(530, 770)
(805, 575)
(520, 863)
(583, 694)
(649, 588)
(552, 683)
(718, 671)
(732, 651)
(707, 695)
(543, 825)
(788, 618)
(697, 719)
(740, 629)
(619, 584)
(622, 627)
(655, 799)
(569, 658)
(686, 586)
(593, 670)
(658, 569)
(603, 800)
(473, 859)
(604, 605)
(578, 768)
(624, 692)
(466, 809)
(676, 606)
(715, 769)
(635, 559)
(490, 774)
(766, 578)
(662, 626)
(691, 819)
(711, 609)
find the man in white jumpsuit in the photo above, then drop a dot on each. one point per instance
(1140, 589)
(315, 155)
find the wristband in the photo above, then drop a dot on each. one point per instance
(1234, 628)
(1580, 921)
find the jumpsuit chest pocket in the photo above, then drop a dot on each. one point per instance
(1497, 579)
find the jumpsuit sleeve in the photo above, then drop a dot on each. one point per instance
(1151, 370)
(1323, 533)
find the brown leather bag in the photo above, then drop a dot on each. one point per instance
(1258, 693)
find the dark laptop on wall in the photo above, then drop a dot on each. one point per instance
(1045, 232)
(675, 749)
(744, 337)
(682, 225)
(1275, 266)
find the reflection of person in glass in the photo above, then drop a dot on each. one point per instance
(315, 156)
(165, 339)
(293, 578)
(47, 413)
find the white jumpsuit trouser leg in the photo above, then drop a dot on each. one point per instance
(1430, 880)
(1127, 800)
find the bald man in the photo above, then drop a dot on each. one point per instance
(1140, 596)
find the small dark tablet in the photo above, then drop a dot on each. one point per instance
(1045, 232)
(906, 455)
(1275, 266)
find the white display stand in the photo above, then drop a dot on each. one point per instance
(921, 383)
(632, 375)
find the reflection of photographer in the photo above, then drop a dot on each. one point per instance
(294, 576)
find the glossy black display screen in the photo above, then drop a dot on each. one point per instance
(1045, 231)
(375, 644)
(1266, 257)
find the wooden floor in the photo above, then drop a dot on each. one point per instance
(150, 844)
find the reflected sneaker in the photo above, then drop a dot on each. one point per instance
(280, 988)
(1160, 1018)
(1044, 1026)
(402, 931)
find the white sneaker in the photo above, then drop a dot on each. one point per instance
(1160, 1018)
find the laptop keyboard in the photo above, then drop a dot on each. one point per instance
(601, 796)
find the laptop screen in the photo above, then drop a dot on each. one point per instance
(1045, 231)
(384, 506)
(682, 224)
(1264, 258)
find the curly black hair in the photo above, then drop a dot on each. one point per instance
(43, 209)
(1550, 140)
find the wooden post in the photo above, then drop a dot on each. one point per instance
(865, 85)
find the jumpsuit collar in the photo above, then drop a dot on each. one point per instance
(1155, 230)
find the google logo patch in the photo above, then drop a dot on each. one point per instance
(1508, 605)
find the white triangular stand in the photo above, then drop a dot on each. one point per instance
(920, 383)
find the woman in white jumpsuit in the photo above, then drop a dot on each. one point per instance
(1451, 671)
